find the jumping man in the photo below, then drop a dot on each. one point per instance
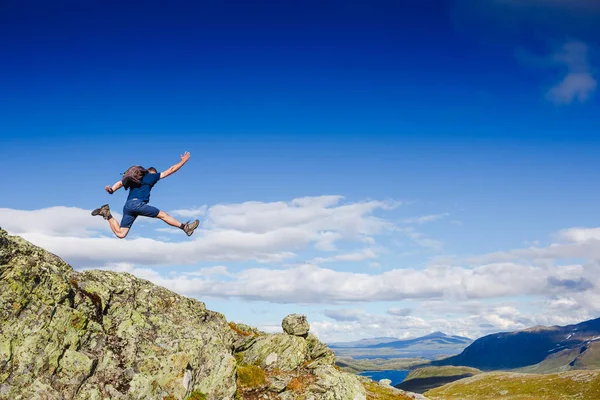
(137, 203)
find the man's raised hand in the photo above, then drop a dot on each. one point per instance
(109, 189)
(185, 156)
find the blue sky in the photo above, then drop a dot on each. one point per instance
(387, 168)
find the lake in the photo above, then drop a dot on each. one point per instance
(394, 375)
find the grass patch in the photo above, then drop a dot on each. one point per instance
(239, 358)
(250, 376)
(377, 392)
(301, 382)
(196, 395)
(431, 372)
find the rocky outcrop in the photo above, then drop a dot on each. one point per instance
(99, 335)
(295, 365)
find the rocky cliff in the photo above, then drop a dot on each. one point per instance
(100, 335)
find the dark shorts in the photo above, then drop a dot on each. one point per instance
(135, 207)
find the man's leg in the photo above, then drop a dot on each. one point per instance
(168, 219)
(119, 231)
(188, 227)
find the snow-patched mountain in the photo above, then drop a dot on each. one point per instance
(541, 348)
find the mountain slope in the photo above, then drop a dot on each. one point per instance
(509, 350)
(105, 335)
(584, 356)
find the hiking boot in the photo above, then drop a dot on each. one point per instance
(104, 211)
(189, 227)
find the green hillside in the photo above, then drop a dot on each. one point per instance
(430, 372)
(580, 385)
(422, 379)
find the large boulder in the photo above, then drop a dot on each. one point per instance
(295, 324)
(332, 384)
(100, 335)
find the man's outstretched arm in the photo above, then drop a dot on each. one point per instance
(184, 158)
(111, 189)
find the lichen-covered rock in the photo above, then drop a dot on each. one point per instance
(295, 324)
(281, 351)
(245, 336)
(279, 384)
(336, 385)
(100, 335)
(319, 353)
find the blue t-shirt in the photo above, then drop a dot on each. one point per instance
(142, 192)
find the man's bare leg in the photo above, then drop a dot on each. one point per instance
(104, 212)
(116, 228)
(188, 228)
(168, 219)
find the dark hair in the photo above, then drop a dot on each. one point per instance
(152, 169)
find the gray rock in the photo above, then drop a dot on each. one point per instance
(319, 353)
(99, 334)
(385, 382)
(281, 351)
(336, 385)
(278, 384)
(296, 325)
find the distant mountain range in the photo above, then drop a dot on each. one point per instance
(537, 349)
(433, 340)
(363, 342)
(434, 345)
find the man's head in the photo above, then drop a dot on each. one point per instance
(152, 170)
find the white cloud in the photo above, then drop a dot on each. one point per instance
(190, 213)
(312, 284)
(361, 255)
(402, 312)
(420, 238)
(425, 218)
(54, 221)
(579, 82)
(576, 81)
(210, 271)
(574, 243)
(555, 276)
(254, 231)
(344, 314)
